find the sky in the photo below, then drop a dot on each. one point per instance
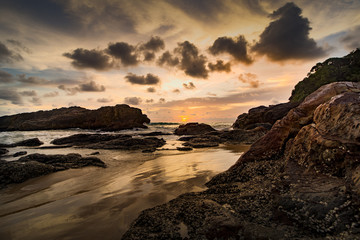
(177, 60)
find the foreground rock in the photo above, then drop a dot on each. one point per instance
(193, 129)
(110, 141)
(106, 118)
(32, 142)
(35, 165)
(300, 181)
(263, 116)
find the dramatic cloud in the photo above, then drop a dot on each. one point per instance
(249, 78)
(123, 51)
(51, 94)
(167, 59)
(96, 59)
(191, 62)
(149, 100)
(11, 95)
(189, 86)
(220, 66)
(149, 79)
(5, 77)
(18, 45)
(84, 87)
(31, 80)
(36, 101)
(133, 100)
(151, 90)
(352, 38)
(149, 56)
(31, 93)
(7, 55)
(287, 37)
(154, 44)
(237, 48)
(104, 100)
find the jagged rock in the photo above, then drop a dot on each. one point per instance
(300, 181)
(35, 165)
(3, 151)
(111, 141)
(263, 116)
(193, 129)
(106, 118)
(21, 153)
(32, 142)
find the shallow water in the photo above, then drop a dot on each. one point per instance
(96, 203)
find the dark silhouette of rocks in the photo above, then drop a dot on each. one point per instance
(35, 165)
(153, 134)
(32, 142)
(3, 151)
(193, 129)
(299, 181)
(263, 116)
(21, 153)
(110, 141)
(105, 118)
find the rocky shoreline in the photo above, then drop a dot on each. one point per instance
(299, 181)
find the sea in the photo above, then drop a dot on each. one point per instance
(97, 203)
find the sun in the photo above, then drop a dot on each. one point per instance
(184, 118)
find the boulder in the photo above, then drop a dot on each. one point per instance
(3, 151)
(299, 181)
(106, 118)
(21, 153)
(32, 142)
(193, 129)
(35, 165)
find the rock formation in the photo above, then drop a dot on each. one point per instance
(106, 118)
(32, 142)
(35, 165)
(193, 129)
(299, 181)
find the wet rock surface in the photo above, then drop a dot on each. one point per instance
(300, 181)
(193, 129)
(110, 141)
(35, 165)
(106, 118)
(32, 142)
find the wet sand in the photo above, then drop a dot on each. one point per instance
(93, 203)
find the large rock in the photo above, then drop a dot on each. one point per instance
(300, 181)
(35, 165)
(193, 129)
(32, 142)
(263, 116)
(106, 118)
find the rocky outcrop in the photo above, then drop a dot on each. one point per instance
(106, 118)
(35, 165)
(300, 181)
(263, 116)
(193, 129)
(32, 142)
(110, 141)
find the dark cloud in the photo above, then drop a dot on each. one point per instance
(36, 101)
(31, 80)
(31, 93)
(176, 90)
(237, 48)
(287, 37)
(149, 79)
(5, 77)
(96, 59)
(351, 39)
(168, 59)
(189, 86)
(84, 87)
(123, 51)
(220, 66)
(51, 94)
(191, 62)
(250, 79)
(154, 44)
(149, 100)
(19, 46)
(149, 56)
(7, 55)
(162, 100)
(133, 100)
(104, 100)
(151, 90)
(11, 95)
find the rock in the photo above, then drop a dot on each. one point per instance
(95, 153)
(184, 148)
(35, 165)
(193, 129)
(3, 151)
(21, 153)
(263, 116)
(299, 181)
(33, 142)
(152, 134)
(111, 141)
(150, 150)
(106, 118)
